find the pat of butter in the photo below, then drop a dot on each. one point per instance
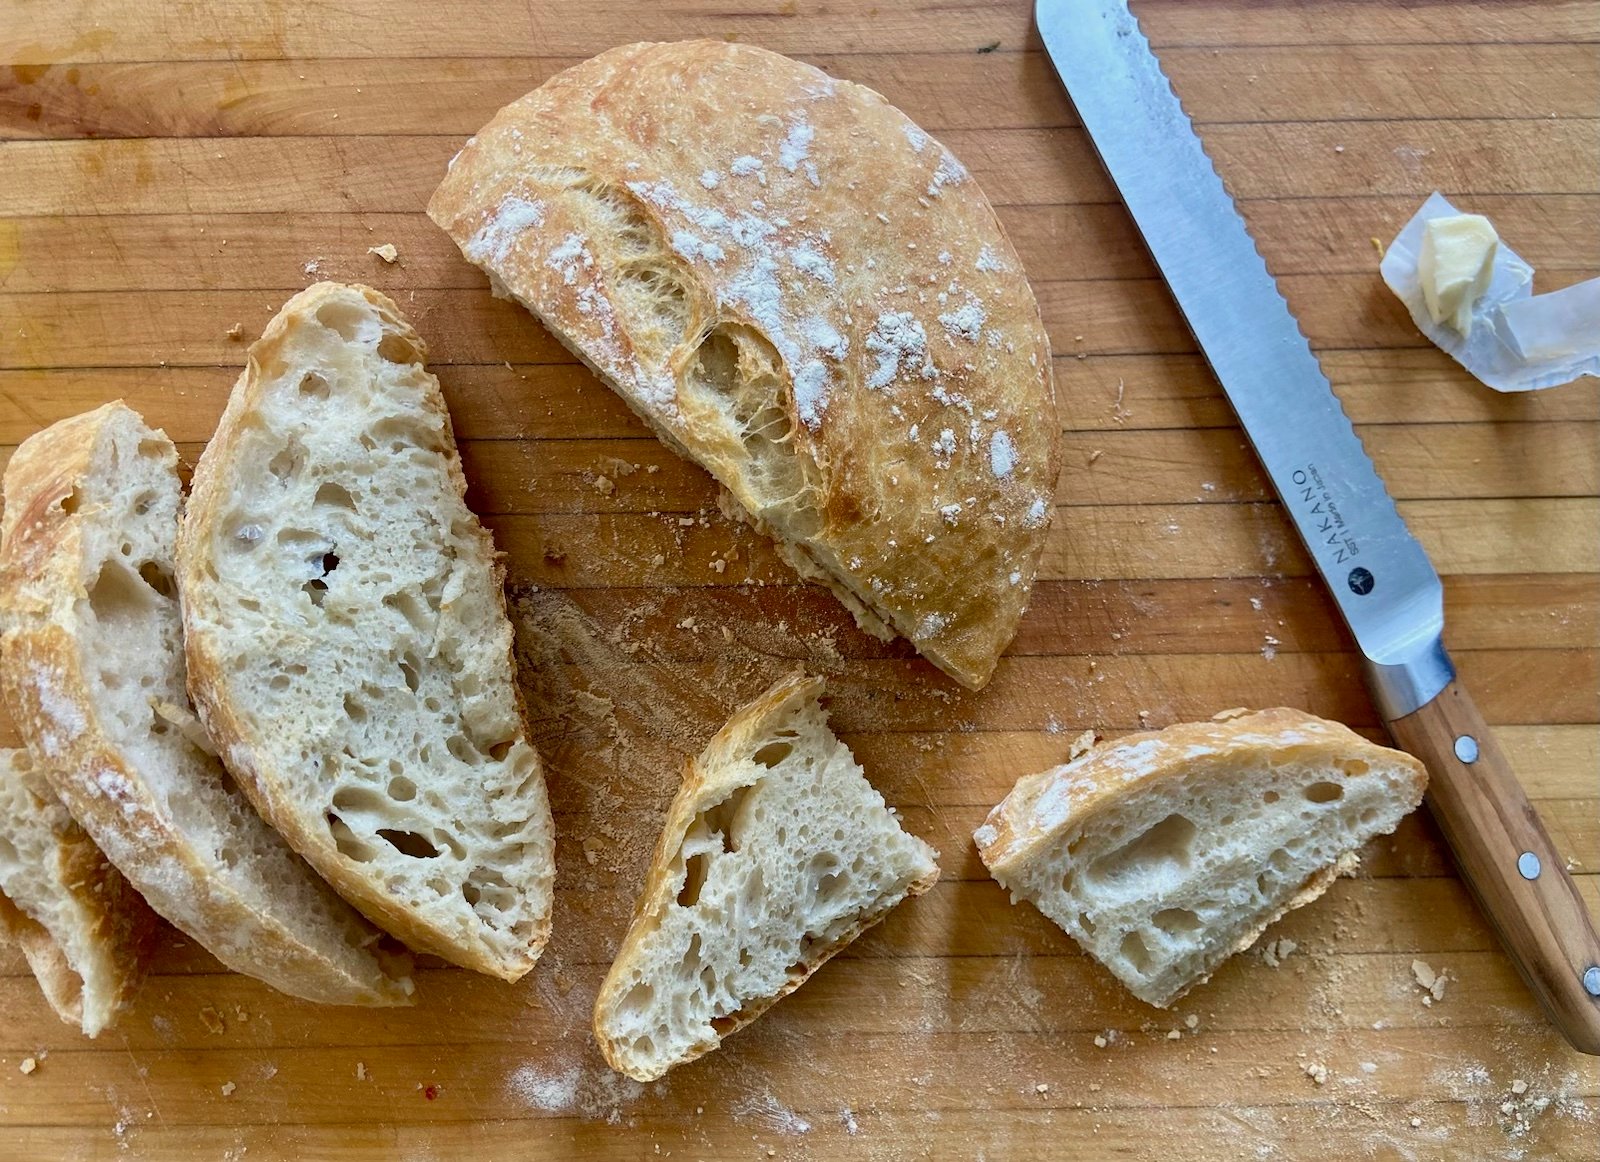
(1455, 265)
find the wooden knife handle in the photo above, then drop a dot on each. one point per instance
(1508, 861)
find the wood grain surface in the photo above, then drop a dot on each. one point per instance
(170, 170)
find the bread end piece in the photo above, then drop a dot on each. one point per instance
(83, 929)
(1163, 853)
(776, 853)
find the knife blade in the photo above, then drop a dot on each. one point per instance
(1386, 589)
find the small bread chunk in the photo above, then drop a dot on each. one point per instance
(348, 642)
(1164, 853)
(83, 929)
(93, 673)
(776, 854)
(806, 294)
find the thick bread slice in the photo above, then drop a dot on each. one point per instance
(84, 930)
(1164, 853)
(776, 853)
(806, 294)
(348, 642)
(93, 673)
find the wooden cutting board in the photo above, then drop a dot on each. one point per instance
(172, 172)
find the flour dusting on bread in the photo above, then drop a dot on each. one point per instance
(806, 294)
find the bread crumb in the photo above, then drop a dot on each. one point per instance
(212, 1020)
(658, 560)
(1316, 1072)
(227, 1088)
(28, 1065)
(361, 1071)
(1378, 246)
(592, 846)
(235, 331)
(239, 1013)
(1174, 1034)
(1099, 1041)
(1094, 1087)
(1415, 1122)
(1519, 1087)
(1275, 952)
(1041, 1088)
(387, 252)
(313, 267)
(1191, 1021)
(1432, 983)
(719, 565)
(1096, 454)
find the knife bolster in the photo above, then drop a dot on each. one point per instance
(1406, 686)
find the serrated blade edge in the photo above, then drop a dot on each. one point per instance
(1380, 577)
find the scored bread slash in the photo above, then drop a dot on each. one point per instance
(1164, 853)
(807, 295)
(92, 647)
(349, 648)
(776, 853)
(84, 931)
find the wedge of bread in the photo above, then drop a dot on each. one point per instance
(85, 932)
(807, 294)
(92, 670)
(348, 642)
(776, 853)
(1164, 853)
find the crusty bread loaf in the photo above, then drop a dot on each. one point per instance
(93, 673)
(806, 294)
(348, 642)
(83, 929)
(1164, 853)
(776, 853)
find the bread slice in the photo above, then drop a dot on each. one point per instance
(93, 673)
(802, 291)
(1164, 853)
(83, 929)
(776, 853)
(348, 642)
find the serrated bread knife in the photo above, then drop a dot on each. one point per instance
(1384, 585)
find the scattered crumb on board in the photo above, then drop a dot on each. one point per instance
(1431, 982)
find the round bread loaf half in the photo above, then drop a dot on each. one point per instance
(806, 294)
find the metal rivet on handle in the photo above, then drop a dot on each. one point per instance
(1528, 865)
(1466, 748)
(1591, 980)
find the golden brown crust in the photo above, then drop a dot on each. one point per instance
(1045, 806)
(756, 205)
(707, 780)
(47, 692)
